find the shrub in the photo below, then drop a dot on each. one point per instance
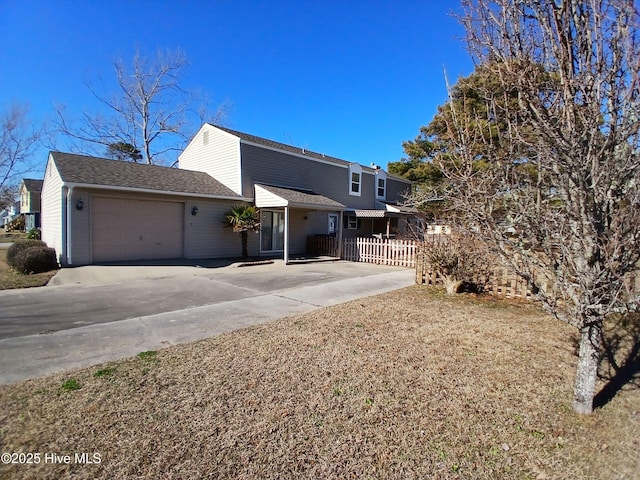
(35, 259)
(34, 234)
(461, 260)
(18, 247)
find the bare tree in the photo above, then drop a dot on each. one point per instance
(559, 200)
(19, 141)
(151, 112)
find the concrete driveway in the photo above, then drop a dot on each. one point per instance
(89, 315)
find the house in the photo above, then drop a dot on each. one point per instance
(30, 191)
(299, 192)
(98, 210)
(10, 213)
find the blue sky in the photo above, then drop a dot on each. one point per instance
(352, 79)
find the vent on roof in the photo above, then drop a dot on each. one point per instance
(205, 137)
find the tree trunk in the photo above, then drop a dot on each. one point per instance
(245, 239)
(587, 371)
(451, 285)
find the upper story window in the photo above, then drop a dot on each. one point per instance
(355, 179)
(381, 185)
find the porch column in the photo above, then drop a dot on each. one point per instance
(286, 235)
(340, 227)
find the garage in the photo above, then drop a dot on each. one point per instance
(136, 229)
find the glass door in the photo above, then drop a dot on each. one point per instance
(271, 231)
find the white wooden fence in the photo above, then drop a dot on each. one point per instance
(400, 253)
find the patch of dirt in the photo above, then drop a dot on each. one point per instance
(408, 384)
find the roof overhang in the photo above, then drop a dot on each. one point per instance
(116, 188)
(382, 210)
(268, 196)
(393, 208)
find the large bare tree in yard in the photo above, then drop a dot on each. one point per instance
(18, 143)
(149, 119)
(558, 197)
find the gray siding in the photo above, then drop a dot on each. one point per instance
(396, 190)
(271, 167)
(205, 234)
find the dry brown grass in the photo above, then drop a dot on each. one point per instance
(10, 279)
(404, 385)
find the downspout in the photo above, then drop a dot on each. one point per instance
(68, 229)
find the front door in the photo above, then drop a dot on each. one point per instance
(271, 231)
(333, 224)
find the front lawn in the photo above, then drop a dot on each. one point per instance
(9, 278)
(405, 385)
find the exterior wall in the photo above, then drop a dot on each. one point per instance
(80, 234)
(261, 165)
(29, 201)
(365, 230)
(217, 153)
(397, 189)
(52, 210)
(205, 233)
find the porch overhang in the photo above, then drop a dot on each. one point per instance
(382, 210)
(267, 196)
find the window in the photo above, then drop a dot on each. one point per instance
(355, 182)
(381, 185)
(355, 179)
(351, 222)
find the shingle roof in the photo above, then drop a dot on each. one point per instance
(287, 148)
(83, 169)
(32, 185)
(300, 197)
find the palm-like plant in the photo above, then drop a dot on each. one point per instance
(243, 219)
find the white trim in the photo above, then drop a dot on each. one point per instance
(357, 169)
(150, 190)
(381, 175)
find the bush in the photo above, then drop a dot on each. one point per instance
(32, 256)
(19, 246)
(34, 234)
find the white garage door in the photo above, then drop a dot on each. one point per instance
(127, 229)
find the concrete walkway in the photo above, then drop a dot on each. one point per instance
(36, 355)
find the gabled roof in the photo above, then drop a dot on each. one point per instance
(32, 185)
(102, 172)
(294, 197)
(295, 150)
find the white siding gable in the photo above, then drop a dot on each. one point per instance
(265, 198)
(52, 201)
(217, 153)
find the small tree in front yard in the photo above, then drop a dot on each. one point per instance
(459, 259)
(243, 219)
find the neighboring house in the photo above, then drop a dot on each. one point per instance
(10, 212)
(98, 210)
(30, 191)
(299, 192)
